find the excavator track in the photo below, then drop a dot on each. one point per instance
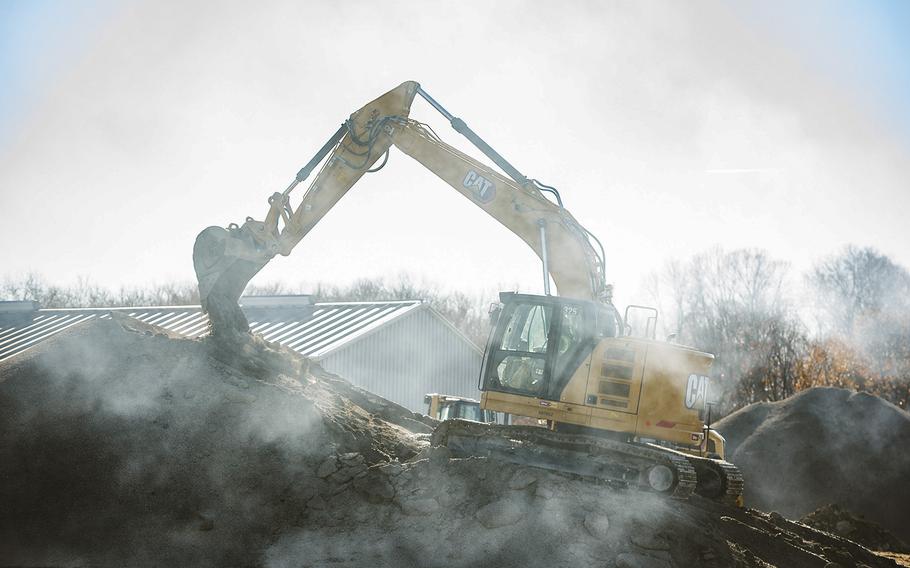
(718, 480)
(626, 464)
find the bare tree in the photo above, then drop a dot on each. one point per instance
(865, 300)
(86, 294)
(732, 304)
(858, 282)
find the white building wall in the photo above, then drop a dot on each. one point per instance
(408, 358)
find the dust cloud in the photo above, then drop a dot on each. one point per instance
(122, 445)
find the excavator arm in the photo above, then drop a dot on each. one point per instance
(580, 372)
(226, 260)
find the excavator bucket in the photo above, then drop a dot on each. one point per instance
(225, 260)
(222, 277)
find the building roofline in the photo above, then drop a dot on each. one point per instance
(373, 327)
(420, 304)
(118, 309)
(371, 303)
(194, 317)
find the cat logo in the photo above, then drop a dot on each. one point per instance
(696, 389)
(483, 189)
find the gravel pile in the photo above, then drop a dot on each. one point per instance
(825, 446)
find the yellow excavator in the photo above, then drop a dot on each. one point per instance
(620, 405)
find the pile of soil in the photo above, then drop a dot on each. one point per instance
(822, 446)
(836, 520)
(121, 446)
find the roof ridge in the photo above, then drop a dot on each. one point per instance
(199, 307)
(119, 309)
(371, 303)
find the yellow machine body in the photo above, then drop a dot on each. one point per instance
(634, 386)
(623, 386)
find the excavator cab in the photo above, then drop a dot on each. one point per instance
(538, 342)
(581, 367)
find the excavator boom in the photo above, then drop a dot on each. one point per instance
(226, 260)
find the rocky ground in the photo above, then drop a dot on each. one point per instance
(121, 446)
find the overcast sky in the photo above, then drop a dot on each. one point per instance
(669, 127)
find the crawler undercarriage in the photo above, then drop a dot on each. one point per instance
(642, 466)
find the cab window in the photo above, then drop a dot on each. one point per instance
(528, 329)
(520, 362)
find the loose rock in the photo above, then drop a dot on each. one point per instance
(522, 478)
(501, 513)
(420, 506)
(650, 541)
(597, 525)
(633, 560)
(328, 467)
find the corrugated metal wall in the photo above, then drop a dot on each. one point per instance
(408, 358)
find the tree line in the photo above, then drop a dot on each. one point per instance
(848, 325)
(845, 323)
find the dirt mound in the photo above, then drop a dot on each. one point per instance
(821, 446)
(833, 519)
(122, 446)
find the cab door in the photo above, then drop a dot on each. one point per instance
(517, 358)
(539, 344)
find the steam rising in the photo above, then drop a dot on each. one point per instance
(124, 447)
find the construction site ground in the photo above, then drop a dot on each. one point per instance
(122, 446)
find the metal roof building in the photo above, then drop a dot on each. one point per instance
(398, 350)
